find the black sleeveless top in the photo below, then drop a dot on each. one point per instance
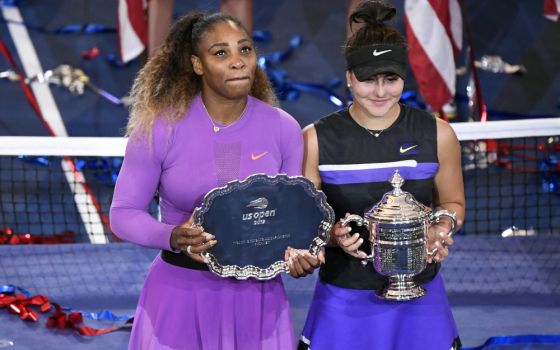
(355, 167)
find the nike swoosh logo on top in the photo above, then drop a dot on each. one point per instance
(375, 53)
(258, 156)
(404, 150)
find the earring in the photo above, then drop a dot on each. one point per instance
(348, 85)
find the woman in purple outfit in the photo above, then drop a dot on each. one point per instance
(351, 155)
(201, 117)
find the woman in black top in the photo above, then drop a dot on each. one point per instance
(351, 155)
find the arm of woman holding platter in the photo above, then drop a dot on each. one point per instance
(136, 185)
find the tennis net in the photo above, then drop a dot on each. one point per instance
(63, 186)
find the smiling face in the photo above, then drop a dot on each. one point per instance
(378, 96)
(226, 61)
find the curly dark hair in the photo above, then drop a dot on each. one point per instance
(370, 15)
(167, 84)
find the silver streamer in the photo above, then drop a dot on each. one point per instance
(73, 79)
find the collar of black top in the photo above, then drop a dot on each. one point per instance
(371, 60)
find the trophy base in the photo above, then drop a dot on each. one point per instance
(402, 288)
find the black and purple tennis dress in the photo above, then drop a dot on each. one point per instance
(355, 167)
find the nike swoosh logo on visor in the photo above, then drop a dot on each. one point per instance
(375, 53)
(404, 150)
(258, 156)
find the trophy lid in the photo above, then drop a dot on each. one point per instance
(398, 205)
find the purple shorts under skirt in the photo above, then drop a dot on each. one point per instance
(341, 318)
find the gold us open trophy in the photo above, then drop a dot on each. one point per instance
(398, 231)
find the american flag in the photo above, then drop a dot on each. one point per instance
(435, 35)
(552, 10)
(132, 28)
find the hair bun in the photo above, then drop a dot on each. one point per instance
(373, 13)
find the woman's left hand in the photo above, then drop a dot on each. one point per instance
(439, 239)
(301, 262)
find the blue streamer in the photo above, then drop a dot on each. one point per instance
(11, 289)
(92, 28)
(262, 36)
(281, 56)
(74, 28)
(106, 169)
(285, 88)
(410, 98)
(71, 28)
(550, 182)
(102, 315)
(33, 159)
(318, 89)
(519, 339)
(7, 288)
(288, 90)
(88, 28)
(116, 62)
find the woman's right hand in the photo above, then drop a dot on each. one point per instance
(349, 243)
(192, 240)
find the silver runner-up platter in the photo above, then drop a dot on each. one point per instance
(255, 220)
(398, 227)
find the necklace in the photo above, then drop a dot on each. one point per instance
(375, 133)
(216, 127)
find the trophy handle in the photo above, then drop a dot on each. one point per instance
(360, 222)
(357, 218)
(435, 218)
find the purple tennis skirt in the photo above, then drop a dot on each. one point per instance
(184, 309)
(341, 318)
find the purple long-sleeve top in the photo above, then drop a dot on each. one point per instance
(186, 159)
